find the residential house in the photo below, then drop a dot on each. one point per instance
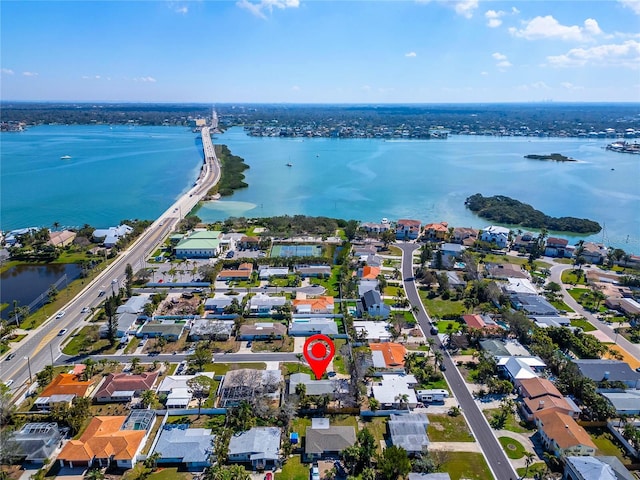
(372, 331)
(455, 281)
(495, 234)
(451, 252)
(265, 305)
(556, 247)
(628, 306)
(626, 402)
(123, 387)
(482, 322)
(245, 384)
(409, 432)
(190, 448)
(310, 325)
(388, 355)
(176, 389)
(306, 305)
(594, 252)
(436, 232)
(323, 441)
(265, 272)
(63, 389)
(366, 285)
(595, 468)
(550, 321)
(126, 323)
(107, 439)
(110, 236)
(61, 239)
(306, 271)
(262, 331)
(432, 395)
(503, 271)
(465, 236)
(199, 244)
(171, 331)
(494, 347)
(330, 387)
(135, 305)
(562, 436)
(34, 442)
(368, 272)
(525, 242)
(610, 370)
(395, 391)
(539, 394)
(243, 272)
(208, 328)
(220, 302)
(371, 303)
(248, 243)
(520, 368)
(259, 447)
(533, 304)
(407, 229)
(372, 227)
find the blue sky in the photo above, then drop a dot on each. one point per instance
(321, 51)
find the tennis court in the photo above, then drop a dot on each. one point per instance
(296, 251)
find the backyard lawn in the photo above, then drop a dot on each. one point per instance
(513, 423)
(378, 428)
(606, 443)
(293, 469)
(446, 428)
(466, 465)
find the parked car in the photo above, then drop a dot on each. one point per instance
(230, 254)
(315, 473)
(62, 332)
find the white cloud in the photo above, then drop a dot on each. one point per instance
(295, 88)
(632, 4)
(515, 11)
(411, 54)
(30, 74)
(533, 86)
(493, 18)
(178, 7)
(498, 56)
(258, 8)
(626, 54)
(549, 28)
(7, 71)
(570, 86)
(503, 62)
(484, 74)
(466, 7)
(145, 79)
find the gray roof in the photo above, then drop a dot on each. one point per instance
(189, 445)
(316, 387)
(366, 285)
(219, 302)
(325, 326)
(591, 468)
(625, 402)
(134, 304)
(259, 440)
(612, 370)
(454, 279)
(533, 304)
(332, 439)
(550, 321)
(409, 431)
(36, 441)
(496, 348)
(370, 298)
(162, 329)
(203, 326)
(429, 476)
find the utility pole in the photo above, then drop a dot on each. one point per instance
(29, 366)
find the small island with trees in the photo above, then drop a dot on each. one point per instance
(232, 177)
(555, 157)
(508, 211)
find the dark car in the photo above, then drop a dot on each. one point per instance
(443, 367)
(434, 330)
(340, 469)
(10, 356)
(101, 293)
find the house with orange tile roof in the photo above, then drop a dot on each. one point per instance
(321, 304)
(63, 389)
(243, 272)
(477, 322)
(369, 273)
(109, 439)
(464, 235)
(436, 231)
(388, 355)
(562, 435)
(539, 394)
(407, 229)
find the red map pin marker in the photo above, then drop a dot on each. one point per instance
(319, 351)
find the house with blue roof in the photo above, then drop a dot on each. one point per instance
(180, 446)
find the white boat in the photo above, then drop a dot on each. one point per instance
(65, 157)
(289, 165)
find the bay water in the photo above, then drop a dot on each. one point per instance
(137, 172)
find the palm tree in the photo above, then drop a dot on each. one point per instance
(437, 358)
(402, 399)
(299, 356)
(94, 474)
(56, 225)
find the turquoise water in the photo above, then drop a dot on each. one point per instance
(115, 173)
(122, 172)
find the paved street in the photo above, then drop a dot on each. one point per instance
(493, 452)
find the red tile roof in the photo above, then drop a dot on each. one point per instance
(393, 353)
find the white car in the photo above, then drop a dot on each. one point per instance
(62, 332)
(84, 310)
(61, 314)
(9, 383)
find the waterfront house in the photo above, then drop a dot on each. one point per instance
(556, 247)
(258, 447)
(110, 236)
(525, 242)
(372, 227)
(199, 244)
(465, 236)
(436, 232)
(594, 252)
(409, 432)
(325, 441)
(123, 387)
(248, 243)
(61, 239)
(562, 436)
(34, 442)
(407, 229)
(189, 448)
(107, 440)
(495, 234)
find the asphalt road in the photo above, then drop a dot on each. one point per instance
(493, 452)
(42, 346)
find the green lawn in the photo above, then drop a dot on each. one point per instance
(576, 293)
(378, 428)
(448, 326)
(539, 467)
(569, 276)
(81, 342)
(583, 324)
(223, 368)
(606, 443)
(445, 428)
(169, 474)
(512, 448)
(512, 422)
(466, 465)
(437, 307)
(560, 305)
(338, 360)
(293, 469)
